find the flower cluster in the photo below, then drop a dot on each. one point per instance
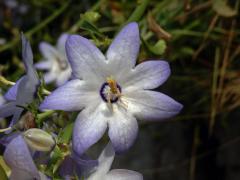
(110, 92)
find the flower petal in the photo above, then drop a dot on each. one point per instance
(89, 127)
(16, 116)
(7, 109)
(5, 140)
(84, 165)
(66, 168)
(63, 77)
(72, 96)
(27, 54)
(86, 59)
(43, 65)
(49, 77)
(48, 51)
(11, 95)
(147, 75)
(18, 158)
(151, 105)
(123, 51)
(105, 159)
(28, 85)
(22, 175)
(27, 88)
(123, 174)
(61, 43)
(31, 79)
(123, 130)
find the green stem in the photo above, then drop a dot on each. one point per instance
(44, 115)
(179, 32)
(3, 80)
(214, 89)
(138, 12)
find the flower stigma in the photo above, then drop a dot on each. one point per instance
(110, 91)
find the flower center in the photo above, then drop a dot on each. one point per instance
(62, 63)
(110, 91)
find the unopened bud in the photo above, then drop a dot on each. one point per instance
(39, 140)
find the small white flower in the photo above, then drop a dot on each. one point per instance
(55, 62)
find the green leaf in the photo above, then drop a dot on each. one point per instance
(66, 134)
(88, 26)
(221, 7)
(157, 49)
(54, 162)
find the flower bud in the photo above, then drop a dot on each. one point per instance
(39, 140)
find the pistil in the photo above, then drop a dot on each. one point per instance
(110, 91)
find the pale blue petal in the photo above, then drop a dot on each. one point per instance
(28, 85)
(123, 51)
(18, 158)
(87, 61)
(151, 105)
(50, 77)
(123, 174)
(48, 51)
(123, 130)
(5, 140)
(16, 116)
(7, 109)
(105, 159)
(27, 54)
(18, 174)
(72, 96)
(89, 127)
(43, 65)
(147, 75)
(61, 43)
(11, 94)
(27, 89)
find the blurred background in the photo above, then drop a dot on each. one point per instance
(199, 38)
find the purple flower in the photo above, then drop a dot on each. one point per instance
(111, 91)
(23, 92)
(76, 165)
(18, 157)
(55, 62)
(102, 171)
